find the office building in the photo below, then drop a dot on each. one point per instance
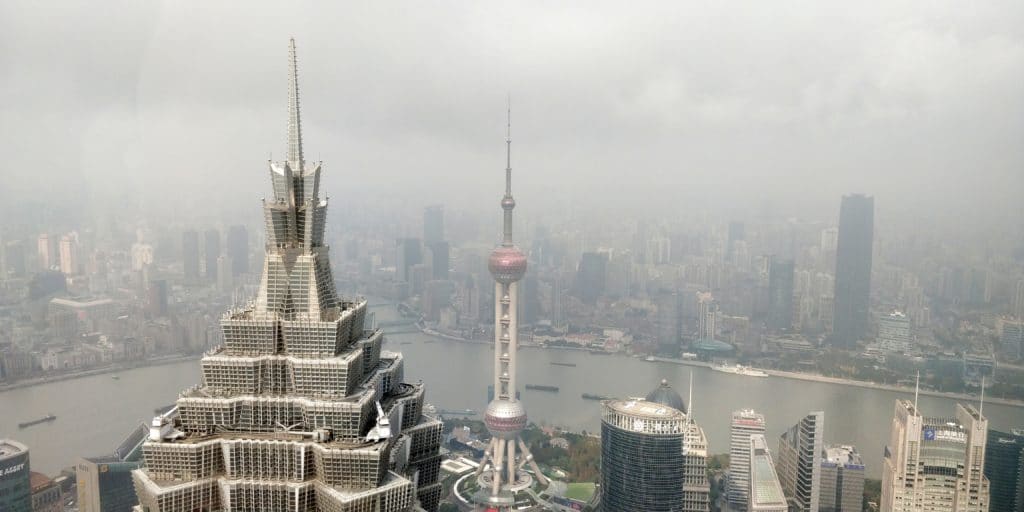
(764, 492)
(501, 473)
(798, 464)
(745, 423)
(780, 295)
(707, 316)
(894, 334)
(48, 251)
(590, 276)
(299, 409)
(647, 447)
(842, 480)
(211, 251)
(238, 249)
(851, 305)
(409, 253)
(433, 224)
(69, 254)
(1011, 338)
(190, 255)
(440, 261)
(156, 298)
(15, 480)
(1004, 468)
(105, 482)
(669, 321)
(935, 464)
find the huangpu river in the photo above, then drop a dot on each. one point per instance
(95, 413)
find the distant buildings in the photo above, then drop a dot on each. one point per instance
(225, 274)
(190, 255)
(69, 254)
(780, 295)
(894, 333)
(238, 249)
(842, 480)
(745, 423)
(1004, 467)
(764, 493)
(46, 494)
(1011, 338)
(851, 304)
(935, 464)
(707, 316)
(211, 251)
(15, 481)
(409, 253)
(433, 224)
(648, 447)
(798, 462)
(590, 277)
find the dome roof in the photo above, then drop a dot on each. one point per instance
(665, 395)
(505, 419)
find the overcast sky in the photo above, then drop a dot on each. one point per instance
(631, 104)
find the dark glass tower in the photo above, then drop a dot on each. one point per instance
(1004, 455)
(299, 410)
(780, 295)
(853, 269)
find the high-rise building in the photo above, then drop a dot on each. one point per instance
(842, 480)
(797, 462)
(14, 259)
(211, 251)
(1018, 300)
(48, 251)
(433, 224)
(238, 249)
(764, 492)
(851, 305)
(69, 254)
(1011, 338)
(225, 274)
(439, 259)
(299, 409)
(105, 482)
(894, 333)
(647, 447)
(15, 482)
(590, 276)
(409, 253)
(1004, 467)
(707, 316)
(780, 294)
(499, 475)
(745, 423)
(737, 233)
(156, 297)
(935, 464)
(669, 321)
(190, 255)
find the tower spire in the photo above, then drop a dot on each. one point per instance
(294, 121)
(507, 202)
(917, 387)
(981, 404)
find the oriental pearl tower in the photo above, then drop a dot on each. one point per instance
(505, 416)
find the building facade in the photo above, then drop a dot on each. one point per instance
(842, 480)
(299, 409)
(15, 479)
(935, 464)
(654, 455)
(798, 464)
(1004, 457)
(745, 423)
(851, 303)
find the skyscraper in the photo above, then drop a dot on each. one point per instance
(1004, 467)
(439, 259)
(408, 253)
(190, 255)
(669, 321)
(105, 482)
(48, 250)
(745, 423)
(299, 410)
(590, 276)
(647, 447)
(842, 480)
(894, 333)
(853, 270)
(505, 416)
(211, 249)
(15, 484)
(780, 294)
(797, 462)
(238, 249)
(69, 254)
(935, 464)
(433, 224)
(764, 493)
(707, 316)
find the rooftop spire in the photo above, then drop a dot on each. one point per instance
(294, 122)
(507, 203)
(917, 387)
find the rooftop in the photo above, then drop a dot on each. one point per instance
(764, 481)
(10, 447)
(843, 454)
(645, 409)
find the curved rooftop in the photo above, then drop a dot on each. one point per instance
(665, 395)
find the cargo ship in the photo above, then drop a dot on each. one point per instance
(541, 387)
(456, 412)
(591, 396)
(739, 370)
(571, 365)
(44, 419)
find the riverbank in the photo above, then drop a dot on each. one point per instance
(113, 368)
(856, 383)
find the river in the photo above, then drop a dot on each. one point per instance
(95, 413)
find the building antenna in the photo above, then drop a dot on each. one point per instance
(689, 398)
(917, 385)
(981, 406)
(294, 120)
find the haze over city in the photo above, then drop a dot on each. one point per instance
(527, 256)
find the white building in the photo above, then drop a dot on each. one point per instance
(894, 333)
(745, 423)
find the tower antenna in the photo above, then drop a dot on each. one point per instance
(917, 385)
(981, 406)
(294, 119)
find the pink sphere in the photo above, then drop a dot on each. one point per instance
(507, 264)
